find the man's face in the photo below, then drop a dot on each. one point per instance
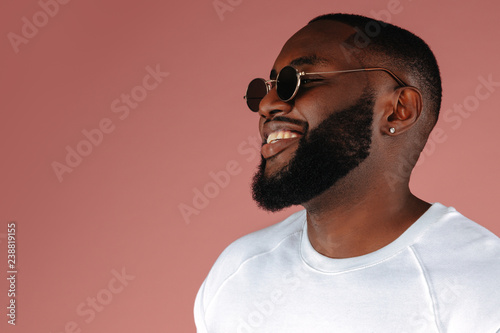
(329, 121)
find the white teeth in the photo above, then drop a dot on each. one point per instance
(278, 135)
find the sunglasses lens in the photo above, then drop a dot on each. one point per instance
(286, 83)
(256, 91)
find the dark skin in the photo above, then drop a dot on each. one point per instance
(362, 212)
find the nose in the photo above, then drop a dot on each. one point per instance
(271, 105)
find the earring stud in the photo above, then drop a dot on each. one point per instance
(392, 130)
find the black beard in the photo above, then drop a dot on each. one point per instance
(331, 150)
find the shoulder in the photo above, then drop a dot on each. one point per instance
(251, 246)
(453, 235)
(259, 242)
(461, 263)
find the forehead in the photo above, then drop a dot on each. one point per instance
(321, 43)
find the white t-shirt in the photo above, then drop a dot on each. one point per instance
(440, 275)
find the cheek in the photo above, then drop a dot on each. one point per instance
(317, 104)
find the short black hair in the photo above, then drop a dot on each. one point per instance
(398, 49)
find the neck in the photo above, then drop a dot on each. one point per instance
(344, 222)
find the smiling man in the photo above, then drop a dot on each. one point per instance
(347, 100)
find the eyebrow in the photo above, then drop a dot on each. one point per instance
(306, 60)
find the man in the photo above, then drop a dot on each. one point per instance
(343, 118)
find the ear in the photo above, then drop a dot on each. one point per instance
(405, 111)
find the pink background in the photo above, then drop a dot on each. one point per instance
(120, 207)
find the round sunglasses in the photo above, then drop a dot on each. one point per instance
(288, 82)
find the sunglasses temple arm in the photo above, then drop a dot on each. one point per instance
(397, 79)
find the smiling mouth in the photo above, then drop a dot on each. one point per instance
(280, 135)
(278, 141)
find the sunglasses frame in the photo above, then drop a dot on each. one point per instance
(269, 83)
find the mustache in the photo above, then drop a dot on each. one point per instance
(298, 122)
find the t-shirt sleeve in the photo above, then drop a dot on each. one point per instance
(199, 311)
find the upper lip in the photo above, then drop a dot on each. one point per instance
(276, 125)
